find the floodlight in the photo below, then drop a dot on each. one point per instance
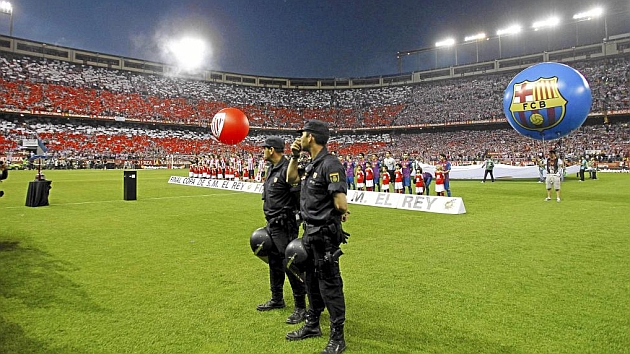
(514, 29)
(6, 7)
(587, 15)
(546, 23)
(189, 52)
(475, 37)
(445, 43)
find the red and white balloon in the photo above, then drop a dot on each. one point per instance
(230, 126)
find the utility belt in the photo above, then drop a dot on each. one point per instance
(288, 219)
(330, 235)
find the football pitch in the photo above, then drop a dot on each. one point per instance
(172, 272)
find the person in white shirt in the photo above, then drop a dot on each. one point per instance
(554, 169)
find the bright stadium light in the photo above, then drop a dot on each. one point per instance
(189, 52)
(513, 29)
(546, 23)
(476, 37)
(7, 8)
(588, 15)
(445, 43)
(449, 42)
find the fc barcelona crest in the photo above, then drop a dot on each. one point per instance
(538, 105)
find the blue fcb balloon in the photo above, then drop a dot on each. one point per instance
(547, 101)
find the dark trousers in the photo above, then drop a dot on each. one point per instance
(427, 184)
(324, 285)
(581, 175)
(277, 266)
(350, 181)
(407, 184)
(486, 175)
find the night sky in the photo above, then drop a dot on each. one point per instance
(297, 38)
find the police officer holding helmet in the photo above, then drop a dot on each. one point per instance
(280, 205)
(323, 206)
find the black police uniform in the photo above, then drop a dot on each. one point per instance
(280, 207)
(324, 177)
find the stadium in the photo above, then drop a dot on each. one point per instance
(172, 272)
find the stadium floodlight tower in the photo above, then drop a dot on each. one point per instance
(189, 52)
(547, 23)
(513, 29)
(587, 16)
(7, 8)
(476, 37)
(450, 42)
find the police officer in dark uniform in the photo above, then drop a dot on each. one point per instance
(280, 204)
(323, 206)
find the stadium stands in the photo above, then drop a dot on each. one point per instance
(123, 141)
(53, 86)
(43, 87)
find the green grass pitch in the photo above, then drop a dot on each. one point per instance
(173, 273)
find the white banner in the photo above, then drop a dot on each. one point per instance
(432, 204)
(500, 171)
(218, 184)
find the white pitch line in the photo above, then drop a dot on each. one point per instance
(120, 200)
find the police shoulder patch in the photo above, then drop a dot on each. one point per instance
(334, 177)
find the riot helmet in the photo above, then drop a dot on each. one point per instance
(295, 253)
(260, 242)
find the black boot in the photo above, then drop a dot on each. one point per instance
(336, 343)
(276, 302)
(298, 315)
(310, 328)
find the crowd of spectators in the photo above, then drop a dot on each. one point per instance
(608, 79)
(103, 97)
(40, 86)
(610, 142)
(81, 140)
(460, 100)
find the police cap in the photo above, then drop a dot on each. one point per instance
(316, 127)
(274, 142)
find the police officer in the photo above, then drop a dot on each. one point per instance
(280, 204)
(323, 206)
